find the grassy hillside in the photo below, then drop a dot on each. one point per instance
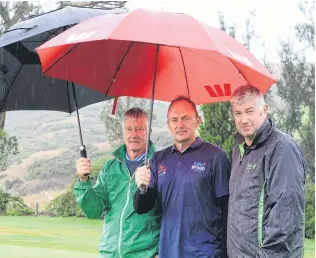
(49, 146)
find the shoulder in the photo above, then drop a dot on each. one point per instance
(284, 146)
(213, 150)
(282, 140)
(158, 155)
(108, 165)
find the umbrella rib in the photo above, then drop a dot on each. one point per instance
(16, 75)
(185, 72)
(8, 92)
(240, 72)
(119, 67)
(61, 58)
(69, 104)
(214, 60)
(18, 29)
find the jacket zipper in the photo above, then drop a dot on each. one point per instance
(123, 211)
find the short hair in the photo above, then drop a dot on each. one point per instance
(186, 99)
(135, 113)
(245, 91)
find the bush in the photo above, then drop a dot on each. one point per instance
(98, 165)
(310, 209)
(64, 205)
(9, 201)
(20, 211)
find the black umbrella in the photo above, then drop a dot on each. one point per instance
(22, 85)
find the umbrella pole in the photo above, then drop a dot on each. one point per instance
(142, 187)
(83, 152)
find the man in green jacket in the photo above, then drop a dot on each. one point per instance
(125, 233)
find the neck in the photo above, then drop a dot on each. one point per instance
(182, 146)
(248, 141)
(135, 154)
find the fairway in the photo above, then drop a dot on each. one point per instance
(32, 237)
(45, 237)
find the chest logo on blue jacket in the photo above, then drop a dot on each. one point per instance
(198, 166)
(162, 170)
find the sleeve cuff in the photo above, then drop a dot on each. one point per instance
(83, 185)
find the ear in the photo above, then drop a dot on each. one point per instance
(199, 120)
(265, 109)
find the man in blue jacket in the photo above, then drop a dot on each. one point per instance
(190, 181)
(266, 204)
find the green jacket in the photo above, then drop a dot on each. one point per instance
(125, 233)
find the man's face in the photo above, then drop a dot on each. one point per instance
(248, 116)
(182, 122)
(135, 134)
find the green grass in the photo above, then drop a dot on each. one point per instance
(309, 248)
(44, 237)
(32, 237)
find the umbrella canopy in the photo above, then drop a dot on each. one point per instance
(155, 55)
(196, 60)
(22, 85)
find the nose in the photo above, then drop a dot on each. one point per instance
(244, 119)
(180, 123)
(134, 133)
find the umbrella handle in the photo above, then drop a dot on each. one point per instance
(142, 189)
(83, 154)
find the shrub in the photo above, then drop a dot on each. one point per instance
(20, 211)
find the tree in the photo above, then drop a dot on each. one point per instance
(297, 115)
(297, 89)
(106, 5)
(310, 209)
(113, 123)
(8, 146)
(218, 125)
(9, 201)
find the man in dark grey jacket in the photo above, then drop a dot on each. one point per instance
(266, 204)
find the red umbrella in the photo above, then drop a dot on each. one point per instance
(150, 54)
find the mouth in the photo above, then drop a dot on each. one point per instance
(245, 127)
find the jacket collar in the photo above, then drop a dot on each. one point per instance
(261, 136)
(120, 152)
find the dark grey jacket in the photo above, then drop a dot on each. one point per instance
(273, 167)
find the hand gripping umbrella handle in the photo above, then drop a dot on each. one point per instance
(142, 189)
(83, 154)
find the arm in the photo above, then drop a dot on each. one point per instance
(143, 203)
(92, 200)
(223, 203)
(221, 185)
(284, 226)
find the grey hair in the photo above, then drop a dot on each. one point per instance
(135, 113)
(242, 93)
